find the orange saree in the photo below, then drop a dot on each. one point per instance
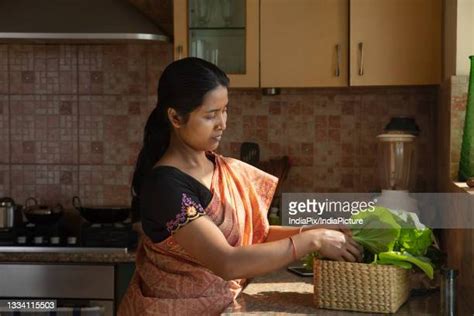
(168, 281)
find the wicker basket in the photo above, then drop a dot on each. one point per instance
(359, 286)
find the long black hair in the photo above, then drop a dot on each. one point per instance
(182, 86)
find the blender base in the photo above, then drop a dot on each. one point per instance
(397, 200)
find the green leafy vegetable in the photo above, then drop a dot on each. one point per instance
(309, 259)
(415, 241)
(379, 231)
(401, 264)
(414, 236)
(396, 238)
(392, 237)
(396, 256)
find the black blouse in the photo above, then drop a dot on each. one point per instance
(170, 199)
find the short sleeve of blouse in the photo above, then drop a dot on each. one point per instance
(170, 199)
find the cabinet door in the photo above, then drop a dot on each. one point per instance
(304, 43)
(224, 32)
(395, 42)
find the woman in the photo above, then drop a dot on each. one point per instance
(204, 215)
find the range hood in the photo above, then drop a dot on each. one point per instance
(75, 20)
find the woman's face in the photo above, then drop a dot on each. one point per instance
(204, 128)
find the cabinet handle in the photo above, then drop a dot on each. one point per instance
(361, 60)
(338, 60)
(179, 51)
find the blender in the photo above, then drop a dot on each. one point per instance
(397, 160)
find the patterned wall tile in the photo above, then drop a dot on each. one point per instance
(459, 89)
(112, 69)
(111, 128)
(277, 129)
(4, 130)
(105, 185)
(248, 101)
(5, 180)
(43, 69)
(369, 179)
(370, 126)
(3, 69)
(43, 129)
(151, 103)
(299, 127)
(329, 134)
(350, 179)
(326, 104)
(47, 183)
(327, 154)
(158, 56)
(347, 128)
(325, 179)
(337, 126)
(300, 179)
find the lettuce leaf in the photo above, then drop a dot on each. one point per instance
(379, 231)
(414, 237)
(401, 264)
(415, 241)
(396, 238)
(396, 256)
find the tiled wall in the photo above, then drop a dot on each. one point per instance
(330, 133)
(458, 98)
(72, 116)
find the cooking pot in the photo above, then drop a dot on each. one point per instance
(101, 214)
(9, 213)
(42, 214)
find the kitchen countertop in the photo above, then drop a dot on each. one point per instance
(284, 293)
(68, 257)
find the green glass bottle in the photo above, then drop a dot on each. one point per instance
(466, 163)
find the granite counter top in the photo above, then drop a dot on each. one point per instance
(68, 257)
(283, 293)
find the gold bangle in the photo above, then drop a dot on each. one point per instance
(295, 257)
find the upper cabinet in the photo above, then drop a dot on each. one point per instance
(224, 32)
(304, 43)
(314, 43)
(395, 42)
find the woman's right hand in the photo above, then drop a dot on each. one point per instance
(336, 245)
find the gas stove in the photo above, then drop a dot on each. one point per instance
(108, 235)
(46, 249)
(31, 235)
(28, 237)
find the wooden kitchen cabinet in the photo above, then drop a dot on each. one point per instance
(224, 32)
(304, 43)
(391, 42)
(395, 42)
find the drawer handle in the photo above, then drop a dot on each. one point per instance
(361, 60)
(338, 60)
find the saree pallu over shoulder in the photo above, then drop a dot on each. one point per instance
(169, 281)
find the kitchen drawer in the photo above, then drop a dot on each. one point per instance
(57, 281)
